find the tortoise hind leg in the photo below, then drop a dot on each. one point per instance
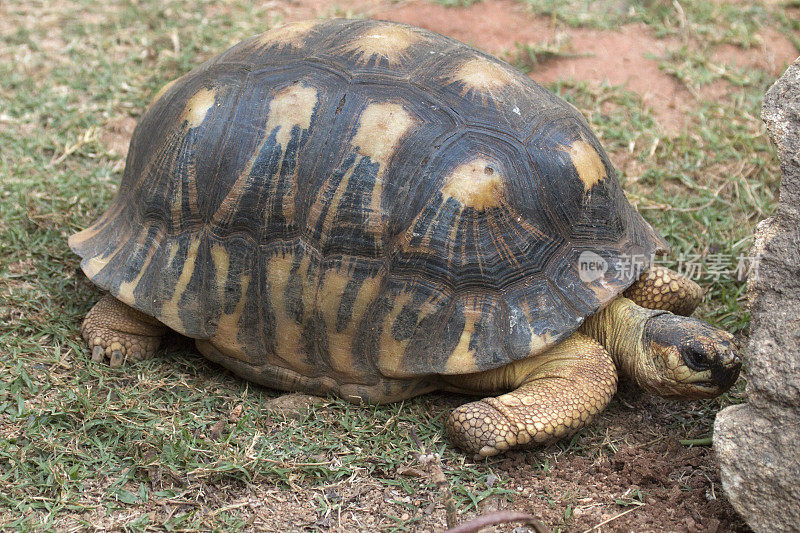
(555, 394)
(664, 289)
(118, 332)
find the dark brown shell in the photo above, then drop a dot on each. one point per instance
(361, 199)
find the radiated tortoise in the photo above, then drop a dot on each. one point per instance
(376, 211)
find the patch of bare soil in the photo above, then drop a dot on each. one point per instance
(493, 26)
(116, 135)
(772, 55)
(666, 488)
(624, 57)
(642, 479)
(614, 57)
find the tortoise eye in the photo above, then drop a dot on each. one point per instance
(695, 357)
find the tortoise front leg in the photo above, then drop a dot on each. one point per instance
(664, 289)
(554, 395)
(118, 332)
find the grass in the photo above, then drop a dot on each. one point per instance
(156, 445)
(712, 22)
(694, 185)
(528, 56)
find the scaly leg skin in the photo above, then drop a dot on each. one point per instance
(118, 332)
(555, 394)
(664, 289)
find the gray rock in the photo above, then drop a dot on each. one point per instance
(294, 406)
(758, 443)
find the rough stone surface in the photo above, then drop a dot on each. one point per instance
(758, 443)
(294, 405)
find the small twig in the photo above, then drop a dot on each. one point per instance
(604, 522)
(682, 20)
(697, 442)
(432, 462)
(229, 507)
(88, 136)
(498, 517)
(649, 443)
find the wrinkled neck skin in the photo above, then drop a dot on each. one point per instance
(619, 327)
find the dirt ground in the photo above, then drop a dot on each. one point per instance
(661, 484)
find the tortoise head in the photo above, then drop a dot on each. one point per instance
(686, 358)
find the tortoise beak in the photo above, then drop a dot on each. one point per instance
(702, 361)
(720, 359)
(725, 369)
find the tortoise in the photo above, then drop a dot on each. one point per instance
(376, 211)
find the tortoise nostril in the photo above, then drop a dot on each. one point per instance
(725, 373)
(731, 358)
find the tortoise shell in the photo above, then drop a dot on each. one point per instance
(363, 200)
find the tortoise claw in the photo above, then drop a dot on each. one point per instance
(113, 328)
(97, 354)
(116, 359)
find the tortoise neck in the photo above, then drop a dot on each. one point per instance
(619, 328)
